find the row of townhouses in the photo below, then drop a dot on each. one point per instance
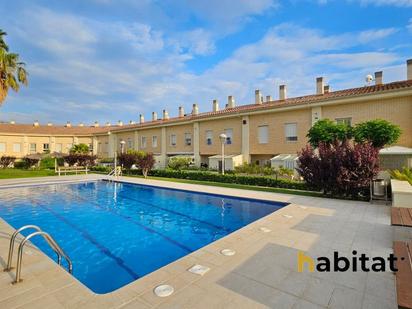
(255, 132)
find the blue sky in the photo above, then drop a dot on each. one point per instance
(109, 60)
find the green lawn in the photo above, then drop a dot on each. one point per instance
(21, 173)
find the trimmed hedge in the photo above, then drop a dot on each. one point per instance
(261, 181)
(231, 178)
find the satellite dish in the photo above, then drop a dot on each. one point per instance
(369, 78)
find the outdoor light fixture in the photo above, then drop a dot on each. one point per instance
(223, 138)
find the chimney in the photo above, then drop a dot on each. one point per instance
(120, 123)
(326, 89)
(268, 98)
(282, 92)
(379, 78)
(258, 97)
(131, 122)
(12, 122)
(195, 109)
(409, 69)
(81, 124)
(230, 102)
(96, 124)
(165, 114)
(215, 105)
(181, 111)
(68, 124)
(141, 118)
(108, 124)
(36, 123)
(154, 116)
(319, 85)
(49, 124)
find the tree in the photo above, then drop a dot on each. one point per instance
(12, 71)
(126, 160)
(146, 163)
(80, 149)
(379, 132)
(339, 169)
(327, 131)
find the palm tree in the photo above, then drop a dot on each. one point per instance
(12, 72)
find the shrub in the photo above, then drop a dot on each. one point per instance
(327, 131)
(405, 174)
(30, 162)
(80, 159)
(80, 149)
(6, 161)
(99, 168)
(127, 160)
(261, 181)
(145, 163)
(379, 132)
(48, 162)
(177, 163)
(340, 169)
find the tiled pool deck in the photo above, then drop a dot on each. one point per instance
(262, 273)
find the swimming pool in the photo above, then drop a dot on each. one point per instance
(116, 232)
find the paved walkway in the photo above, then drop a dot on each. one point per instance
(262, 273)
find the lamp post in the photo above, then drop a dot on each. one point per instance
(223, 138)
(122, 143)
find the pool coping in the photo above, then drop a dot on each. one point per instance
(140, 291)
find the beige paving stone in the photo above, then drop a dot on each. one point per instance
(262, 273)
(345, 298)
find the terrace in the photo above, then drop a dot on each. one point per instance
(262, 273)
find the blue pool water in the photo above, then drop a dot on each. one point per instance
(116, 233)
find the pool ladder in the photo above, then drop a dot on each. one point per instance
(38, 232)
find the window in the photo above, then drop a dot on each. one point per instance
(46, 147)
(33, 148)
(188, 139)
(2, 147)
(347, 121)
(291, 132)
(154, 141)
(173, 140)
(106, 147)
(59, 147)
(143, 142)
(17, 147)
(91, 148)
(209, 137)
(229, 136)
(263, 134)
(69, 147)
(129, 143)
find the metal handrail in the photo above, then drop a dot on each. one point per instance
(53, 244)
(13, 238)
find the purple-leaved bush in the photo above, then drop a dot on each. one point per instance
(340, 168)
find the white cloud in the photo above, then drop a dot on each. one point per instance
(400, 3)
(121, 69)
(57, 33)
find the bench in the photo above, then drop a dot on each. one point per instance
(404, 274)
(401, 216)
(72, 169)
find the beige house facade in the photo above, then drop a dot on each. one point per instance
(256, 132)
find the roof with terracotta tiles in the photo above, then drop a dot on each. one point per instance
(272, 105)
(31, 129)
(296, 101)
